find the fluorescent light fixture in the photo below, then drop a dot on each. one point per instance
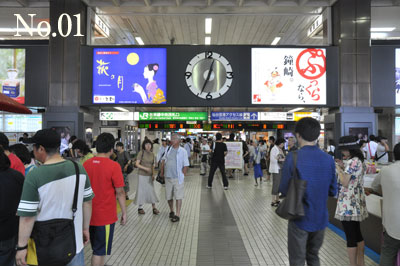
(121, 109)
(208, 25)
(384, 29)
(207, 40)
(295, 110)
(276, 40)
(139, 40)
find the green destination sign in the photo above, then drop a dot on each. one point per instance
(172, 116)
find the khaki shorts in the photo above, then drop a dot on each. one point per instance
(172, 188)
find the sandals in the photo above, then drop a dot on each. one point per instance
(141, 211)
(175, 219)
(155, 211)
(171, 215)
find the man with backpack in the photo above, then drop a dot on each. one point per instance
(123, 159)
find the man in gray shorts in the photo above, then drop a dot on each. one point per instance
(174, 167)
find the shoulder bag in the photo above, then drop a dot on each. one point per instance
(291, 208)
(129, 168)
(160, 179)
(53, 241)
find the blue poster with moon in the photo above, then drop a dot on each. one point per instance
(129, 75)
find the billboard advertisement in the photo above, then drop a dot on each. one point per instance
(397, 78)
(293, 76)
(12, 73)
(129, 75)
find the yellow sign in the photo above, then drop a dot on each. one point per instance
(299, 115)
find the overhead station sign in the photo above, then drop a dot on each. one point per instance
(116, 116)
(234, 116)
(173, 116)
(288, 76)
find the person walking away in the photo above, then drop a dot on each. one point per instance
(351, 206)
(257, 155)
(306, 235)
(246, 157)
(145, 189)
(387, 184)
(382, 150)
(48, 193)
(205, 151)
(108, 185)
(16, 163)
(271, 142)
(11, 182)
(370, 148)
(277, 157)
(123, 159)
(188, 148)
(82, 150)
(219, 151)
(22, 152)
(174, 167)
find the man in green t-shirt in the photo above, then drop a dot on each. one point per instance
(48, 194)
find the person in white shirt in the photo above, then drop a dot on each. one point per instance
(370, 148)
(156, 147)
(188, 148)
(161, 151)
(382, 150)
(205, 151)
(387, 183)
(277, 157)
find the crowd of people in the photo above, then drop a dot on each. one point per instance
(35, 179)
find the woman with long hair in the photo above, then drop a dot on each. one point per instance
(351, 205)
(145, 189)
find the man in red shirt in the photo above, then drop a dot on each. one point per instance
(107, 181)
(16, 163)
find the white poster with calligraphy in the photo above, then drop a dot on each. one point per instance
(288, 76)
(234, 158)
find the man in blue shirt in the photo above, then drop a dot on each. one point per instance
(306, 235)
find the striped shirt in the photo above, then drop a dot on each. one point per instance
(48, 194)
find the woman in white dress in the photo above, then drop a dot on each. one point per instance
(277, 158)
(145, 189)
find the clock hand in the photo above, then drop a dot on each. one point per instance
(208, 76)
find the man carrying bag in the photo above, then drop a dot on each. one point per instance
(317, 169)
(46, 207)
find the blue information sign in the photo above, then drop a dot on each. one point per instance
(234, 116)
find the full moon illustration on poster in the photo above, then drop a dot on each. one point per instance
(129, 75)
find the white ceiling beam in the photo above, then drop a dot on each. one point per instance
(23, 3)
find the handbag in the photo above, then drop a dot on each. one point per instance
(53, 241)
(291, 208)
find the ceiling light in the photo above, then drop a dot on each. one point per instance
(139, 40)
(276, 40)
(385, 29)
(207, 40)
(208, 25)
(295, 110)
(378, 35)
(121, 109)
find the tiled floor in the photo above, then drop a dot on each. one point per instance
(217, 227)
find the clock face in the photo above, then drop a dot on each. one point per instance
(209, 75)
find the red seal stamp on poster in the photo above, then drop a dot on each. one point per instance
(311, 63)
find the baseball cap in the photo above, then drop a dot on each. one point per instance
(48, 138)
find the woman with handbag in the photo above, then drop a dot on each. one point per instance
(277, 157)
(351, 205)
(145, 189)
(257, 155)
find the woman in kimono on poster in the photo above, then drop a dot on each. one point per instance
(153, 93)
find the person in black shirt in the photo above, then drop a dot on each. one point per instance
(219, 151)
(11, 183)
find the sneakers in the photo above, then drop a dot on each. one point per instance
(225, 188)
(209, 187)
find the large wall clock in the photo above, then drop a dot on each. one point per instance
(209, 75)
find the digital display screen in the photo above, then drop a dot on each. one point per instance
(12, 74)
(22, 123)
(129, 75)
(156, 126)
(214, 126)
(288, 76)
(397, 78)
